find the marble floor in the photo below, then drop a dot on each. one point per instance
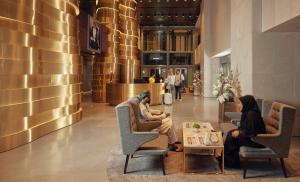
(80, 152)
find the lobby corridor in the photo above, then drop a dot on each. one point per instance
(80, 152)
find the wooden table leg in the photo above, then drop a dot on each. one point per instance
(184, 160)
(223, 171)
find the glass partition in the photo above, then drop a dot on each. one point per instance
(155, 58)
(180, 58)
(155, 40)
(181, 40)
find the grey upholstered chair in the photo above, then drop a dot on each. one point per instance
(279, 120)
(137, 142)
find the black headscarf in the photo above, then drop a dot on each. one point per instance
(249, 103)
(251, 120)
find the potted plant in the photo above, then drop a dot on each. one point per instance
(225, 93)
(196, 83)
(196, 127)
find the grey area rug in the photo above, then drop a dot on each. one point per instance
(205, 168)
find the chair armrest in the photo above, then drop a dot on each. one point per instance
(149, 125)
(268, 140)
(236, 122)
(143, 137)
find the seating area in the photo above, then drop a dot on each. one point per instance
(138, 139)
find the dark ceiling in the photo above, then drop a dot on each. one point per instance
(159, 12)
(168, 12)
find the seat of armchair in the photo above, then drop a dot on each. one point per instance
(251, 152)
(233, 115)
(158, 146)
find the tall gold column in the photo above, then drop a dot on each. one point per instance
(130, 68)
(40, 69)
(106, 67)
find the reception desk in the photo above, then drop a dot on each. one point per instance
(120, 92)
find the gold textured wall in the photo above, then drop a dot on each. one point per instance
(106, 67)
(129, 41)
(119, 64)
(40, 69)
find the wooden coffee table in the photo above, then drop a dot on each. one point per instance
(204, 140)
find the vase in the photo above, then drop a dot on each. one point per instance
(196, 130)
(196, 90)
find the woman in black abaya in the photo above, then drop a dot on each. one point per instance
(251, 124)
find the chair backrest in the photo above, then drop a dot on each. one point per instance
(259, 102)
(138, 115)
(135, 101)
(127, 124)
(279, 122)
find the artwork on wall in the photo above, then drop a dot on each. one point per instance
(94, 35)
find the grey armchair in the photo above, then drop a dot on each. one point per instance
(279, 121)
(137, 142)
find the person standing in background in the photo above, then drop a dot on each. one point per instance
(178, 84)
(170, 81)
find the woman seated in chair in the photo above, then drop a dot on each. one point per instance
(166, 127)
(251, 124)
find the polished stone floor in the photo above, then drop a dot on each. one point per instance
(80, 152)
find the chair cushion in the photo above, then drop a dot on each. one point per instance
(273, 119)
(133, 120)
(158, 146)
(251, 152)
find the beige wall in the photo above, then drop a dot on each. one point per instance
(277, 12)
(218, 26)
(276, 64)
(216, 38)
(241, 42)
(268, 61)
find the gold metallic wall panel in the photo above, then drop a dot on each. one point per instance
(12, 141)
(26, 15)
(35, 55)
(34, 30)
(128, 40)
(106, 68)
(41, 68)
(16, 96)
(29, 81)
(40, 72)
(118, 93)
(29, 109)
(21, 124)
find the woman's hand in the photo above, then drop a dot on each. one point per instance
(235, 134)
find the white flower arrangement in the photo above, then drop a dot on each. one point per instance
(223, 90)
(196, 80)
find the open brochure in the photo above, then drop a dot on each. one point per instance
(208, 139)
(213, 138)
